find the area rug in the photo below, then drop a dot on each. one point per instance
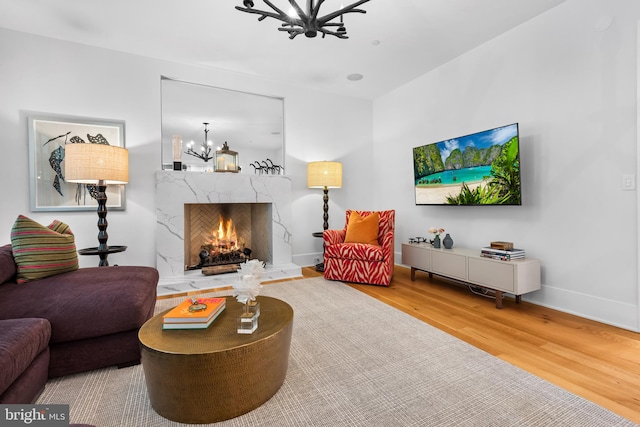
(356, 361)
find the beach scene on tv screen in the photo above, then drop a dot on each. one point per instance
(478, 169)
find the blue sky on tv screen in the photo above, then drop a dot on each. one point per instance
(487, 138)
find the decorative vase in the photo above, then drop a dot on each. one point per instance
(436, 242)
(447, 242)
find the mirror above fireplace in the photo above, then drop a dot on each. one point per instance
(251, 124)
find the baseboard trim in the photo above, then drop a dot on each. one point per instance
(615, 313)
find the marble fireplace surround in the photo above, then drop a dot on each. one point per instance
(174, 189)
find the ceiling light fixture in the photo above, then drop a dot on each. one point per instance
(307, 23)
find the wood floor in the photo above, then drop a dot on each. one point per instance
(598, 362)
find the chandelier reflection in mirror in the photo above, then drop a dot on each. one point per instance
(297, 21)
(205, 147)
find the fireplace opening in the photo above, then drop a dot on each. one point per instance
(221, 236)
(222, 248)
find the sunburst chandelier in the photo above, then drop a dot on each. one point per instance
(308, 23)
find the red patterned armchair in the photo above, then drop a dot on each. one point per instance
(359, 259)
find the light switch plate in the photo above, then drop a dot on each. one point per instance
(628, 182)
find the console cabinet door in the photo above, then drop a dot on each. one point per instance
(492, 274)
(416, 257)
(449, 264)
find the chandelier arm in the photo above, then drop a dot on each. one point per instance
(333, 33)
(291, 27)
(293, 32)
(295, 7)
(280, 15)
(206, 157)
(281, 12)
(264, 14)
(347, 9)
(316, 10)
(324, 20)
(333, 24)
(304, 19)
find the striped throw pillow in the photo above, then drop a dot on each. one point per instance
(41, 251)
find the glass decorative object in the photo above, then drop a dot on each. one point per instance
(248, 320)
(246, 289)
(254, 307)
(226, 160)
(177, 153)
(247, 323)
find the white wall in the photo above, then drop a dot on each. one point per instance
(572, 88)
(50, 76)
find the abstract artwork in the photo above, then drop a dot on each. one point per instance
(48, 136)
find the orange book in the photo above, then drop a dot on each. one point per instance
(192, 325)
(181, 312)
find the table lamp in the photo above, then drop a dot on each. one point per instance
(100, 165)
(324, 175)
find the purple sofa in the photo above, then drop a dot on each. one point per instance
(68, 323)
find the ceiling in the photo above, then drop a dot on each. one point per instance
(395, 42)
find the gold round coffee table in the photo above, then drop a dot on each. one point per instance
(201, 376)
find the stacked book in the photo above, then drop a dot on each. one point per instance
(502, 254)
(194, 313)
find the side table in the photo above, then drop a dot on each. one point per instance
(320, 266)
(102, 253)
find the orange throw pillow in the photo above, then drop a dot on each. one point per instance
(363, 229)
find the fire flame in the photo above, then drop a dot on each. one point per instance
(224, 236)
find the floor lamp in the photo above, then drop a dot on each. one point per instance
(324, 175)
(100, 165)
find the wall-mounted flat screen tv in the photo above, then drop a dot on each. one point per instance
(478, 169)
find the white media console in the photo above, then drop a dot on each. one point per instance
(515, 277)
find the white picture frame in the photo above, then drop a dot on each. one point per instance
(48, 134)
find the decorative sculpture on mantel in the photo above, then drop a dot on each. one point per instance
(267, 167)
(298, 22)
(205, 147)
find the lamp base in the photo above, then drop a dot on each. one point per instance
(103, 248)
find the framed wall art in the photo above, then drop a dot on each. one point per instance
(48, 135)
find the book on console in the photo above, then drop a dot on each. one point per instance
(181, 313)
(518, 255)
(502, 257)
(193, 325)
(503, 251)
(501, 245)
